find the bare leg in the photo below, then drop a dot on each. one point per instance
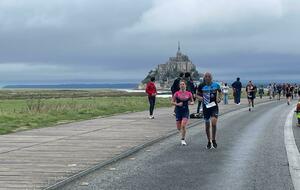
(207, 129)
(178, 125)
(214, 121)
(183, 132)
(183, 128)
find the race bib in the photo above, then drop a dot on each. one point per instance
(210, 105)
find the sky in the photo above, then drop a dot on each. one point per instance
(95, 41)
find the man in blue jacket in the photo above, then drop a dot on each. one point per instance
(237, 88)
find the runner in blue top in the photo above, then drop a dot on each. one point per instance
(209, 93)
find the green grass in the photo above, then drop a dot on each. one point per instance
(24, 114)
(29, 109)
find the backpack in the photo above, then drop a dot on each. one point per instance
(196, 115)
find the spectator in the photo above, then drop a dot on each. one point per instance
(237, 88)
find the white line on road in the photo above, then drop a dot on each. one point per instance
(292, 151)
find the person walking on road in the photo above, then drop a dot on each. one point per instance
(181, 100)
(175, 87)
(237, 88)
(261, 91)
(289, 93)
(151, 91)
(279, 91)
(251, 92)
(225, 91)
(189, 83)
(209, 93)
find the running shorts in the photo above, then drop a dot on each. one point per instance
(210, 112)
(182, 114)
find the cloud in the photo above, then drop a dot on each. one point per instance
(171, 16)
(96, 40)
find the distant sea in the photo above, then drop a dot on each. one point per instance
(76, 86)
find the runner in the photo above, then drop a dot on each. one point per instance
(151, 91)
(292, 90)
(295, 90)
(270, 91)
(298, 113)
(251, 92)
(225, 91)
(261, 91)
(237, 88)
(274, 90)
(209, 93)
(279, 91)
(181, 100)
(289, 92)
(284, 89)
(175, 87)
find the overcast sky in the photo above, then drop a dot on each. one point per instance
(63, 41)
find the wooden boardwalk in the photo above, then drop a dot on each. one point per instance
(38, 158)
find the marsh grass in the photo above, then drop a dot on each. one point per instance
(17, 115)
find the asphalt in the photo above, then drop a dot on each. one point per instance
(251, 155)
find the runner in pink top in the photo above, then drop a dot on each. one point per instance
(182, 99)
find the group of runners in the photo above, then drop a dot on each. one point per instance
(286, 90)
(209, 94)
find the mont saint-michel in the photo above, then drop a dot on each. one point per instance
(165, 74)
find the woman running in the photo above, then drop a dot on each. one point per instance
(182, 99)
(289, 93)
(251, 91)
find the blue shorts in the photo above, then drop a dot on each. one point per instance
(182, 114)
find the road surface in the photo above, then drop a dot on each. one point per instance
(251, 155)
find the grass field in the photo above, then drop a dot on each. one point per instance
(36, 109)
(29, 109)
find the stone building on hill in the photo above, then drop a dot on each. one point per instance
(165, 74)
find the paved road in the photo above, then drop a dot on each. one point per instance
(251, 155)
(41, 158)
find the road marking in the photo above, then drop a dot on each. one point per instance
(292, 151)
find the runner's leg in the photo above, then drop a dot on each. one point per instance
(183, 128)
(214, 121)
(207, 129)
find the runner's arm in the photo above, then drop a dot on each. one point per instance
(191, 102)
(174, 102)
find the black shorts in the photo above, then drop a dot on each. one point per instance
(182, 114)
(210, 112)
(288, 95)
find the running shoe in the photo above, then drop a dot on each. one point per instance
(183, 143)
(209, 146)
(249, 109)
(214, 144)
